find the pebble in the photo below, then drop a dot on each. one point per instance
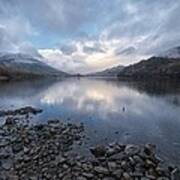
(98, 151)
(101, 170)
(132, 149)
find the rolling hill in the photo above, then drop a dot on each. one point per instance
(18, 66)
(111, 72)
(155, 67)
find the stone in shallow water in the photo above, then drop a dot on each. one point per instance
(21, 111)
(149, 149)
(10, 121)
(176, 174)
(132, 149)
(98, 151)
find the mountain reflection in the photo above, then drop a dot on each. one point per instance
(110, 96)
(103, 96)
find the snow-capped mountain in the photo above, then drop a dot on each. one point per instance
(17, 65)
(171, 53)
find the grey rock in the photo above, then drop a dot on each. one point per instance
(98, 151)
(112, 166)
(118, 173)
(17, 148)
(88, 175)
(149, 149)
(162, 178)
(108, 178)
(81, 178)
(127, 176)
(132, 149)
(7, 164)
(176, 174)
(144, 178)
(151, 177)
(137, 174)
(101, 170)
(110, 151)
(150, 163)
(10, 121)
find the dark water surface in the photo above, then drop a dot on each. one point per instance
(129, 112)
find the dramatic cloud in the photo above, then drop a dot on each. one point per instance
(127, 51)
(89, 35)
(91, 49)
(68, 49)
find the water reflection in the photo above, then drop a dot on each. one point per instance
(137, 112)
(19, 93)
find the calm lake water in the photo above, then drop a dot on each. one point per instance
(129, 112)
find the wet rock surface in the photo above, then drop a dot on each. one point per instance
(38, 151)
(21, 111)
(45, 151)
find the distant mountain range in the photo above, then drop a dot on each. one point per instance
(111, 72)
(166, 64)
(20, 66)
(17, 66)
(157, 67)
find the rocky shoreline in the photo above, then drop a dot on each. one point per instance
(44, 151)
(22, 111)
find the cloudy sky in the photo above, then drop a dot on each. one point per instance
(89, 35)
